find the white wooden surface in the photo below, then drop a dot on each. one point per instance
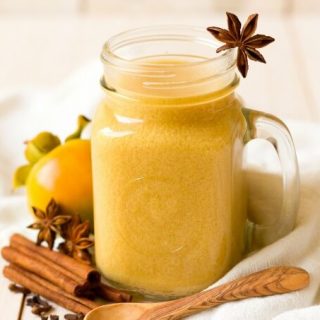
(129, 6)
(40, 51)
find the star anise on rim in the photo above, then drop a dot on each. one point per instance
(49, 223)
(77, 240)
(244, 39)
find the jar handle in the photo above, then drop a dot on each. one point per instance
(266, 126)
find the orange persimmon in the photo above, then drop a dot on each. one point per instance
(58, 171)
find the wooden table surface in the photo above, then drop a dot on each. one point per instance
(41, 51)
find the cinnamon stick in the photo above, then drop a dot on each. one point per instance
(82, 270)
(86, 302)
(41, 268)
(72, 276)
(47, 290)
(111, 294)
(34, 255)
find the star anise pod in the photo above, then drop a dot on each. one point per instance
(244, 39)
(49, 223)
(77, 240)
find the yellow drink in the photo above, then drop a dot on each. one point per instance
(169, 208)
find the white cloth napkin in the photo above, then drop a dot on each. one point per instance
(26, 112)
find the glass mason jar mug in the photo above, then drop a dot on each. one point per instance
(167, 143)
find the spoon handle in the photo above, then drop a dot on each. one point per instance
(268, 282)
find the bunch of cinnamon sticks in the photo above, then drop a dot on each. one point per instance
(56, 276)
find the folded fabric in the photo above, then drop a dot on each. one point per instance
(24, 113)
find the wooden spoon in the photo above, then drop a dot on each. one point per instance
(268, 282)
